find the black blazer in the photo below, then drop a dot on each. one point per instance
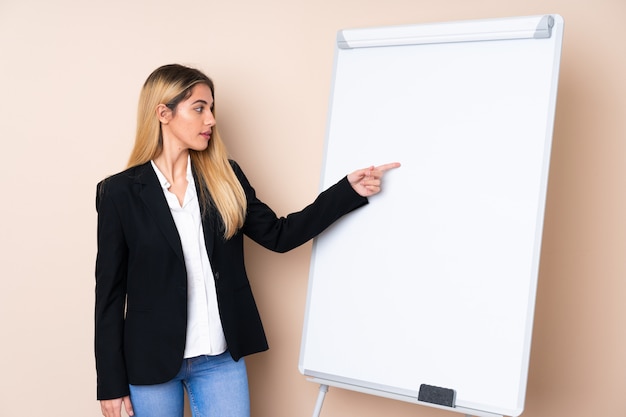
(141, 281)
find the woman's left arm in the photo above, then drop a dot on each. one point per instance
(281, 234)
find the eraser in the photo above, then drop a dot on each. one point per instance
(436, 395)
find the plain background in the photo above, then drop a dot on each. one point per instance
(70, 74)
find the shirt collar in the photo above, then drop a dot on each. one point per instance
(163, 180)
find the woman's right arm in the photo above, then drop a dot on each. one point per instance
(113, 408)
(111, 267)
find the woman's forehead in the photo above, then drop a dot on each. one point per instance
(201, 91)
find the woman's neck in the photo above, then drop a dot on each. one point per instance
(173, 165)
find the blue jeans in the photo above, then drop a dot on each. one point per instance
(217, 386)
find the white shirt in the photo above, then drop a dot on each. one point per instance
(205, 335)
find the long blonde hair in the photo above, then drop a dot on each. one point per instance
(219, 186)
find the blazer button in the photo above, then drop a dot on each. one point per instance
(216, 275)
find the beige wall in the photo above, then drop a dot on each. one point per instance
(70, 72)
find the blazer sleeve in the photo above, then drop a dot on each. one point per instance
(111, 270)
(281, 234)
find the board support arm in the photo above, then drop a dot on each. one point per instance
(320, 400)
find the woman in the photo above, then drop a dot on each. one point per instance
(174, 309)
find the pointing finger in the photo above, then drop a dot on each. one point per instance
(387, 167)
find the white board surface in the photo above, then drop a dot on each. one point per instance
(434, 281)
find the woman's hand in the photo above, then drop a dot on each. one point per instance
(113, 408)
(366, 182)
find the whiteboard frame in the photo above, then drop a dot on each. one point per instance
(516, 28)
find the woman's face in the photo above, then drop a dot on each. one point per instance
(190, 126)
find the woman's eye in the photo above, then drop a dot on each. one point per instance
(199, 109)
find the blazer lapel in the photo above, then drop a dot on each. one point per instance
(151, 194)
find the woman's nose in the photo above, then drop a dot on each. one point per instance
(210, 120)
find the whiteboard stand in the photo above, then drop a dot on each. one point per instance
(447, 304)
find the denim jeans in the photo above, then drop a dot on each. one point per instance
(217, 386)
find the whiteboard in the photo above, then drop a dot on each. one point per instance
(434, 281)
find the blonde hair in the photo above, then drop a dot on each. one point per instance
(219, 186)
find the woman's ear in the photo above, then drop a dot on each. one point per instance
(163, 113)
